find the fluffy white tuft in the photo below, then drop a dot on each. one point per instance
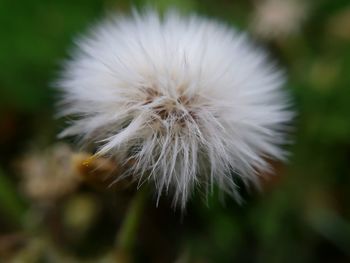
(188, 100)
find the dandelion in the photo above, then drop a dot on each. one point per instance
(182, 101)
(48, 176)
(278, 18)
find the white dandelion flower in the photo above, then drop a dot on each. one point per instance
(191, 101)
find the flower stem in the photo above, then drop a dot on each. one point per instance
(128, 231)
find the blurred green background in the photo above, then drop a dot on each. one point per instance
(302, 213)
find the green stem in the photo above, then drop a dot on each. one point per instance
(128, 231)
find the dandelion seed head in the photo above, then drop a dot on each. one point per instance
(183, 100)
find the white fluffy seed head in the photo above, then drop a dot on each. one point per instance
(190, 101)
